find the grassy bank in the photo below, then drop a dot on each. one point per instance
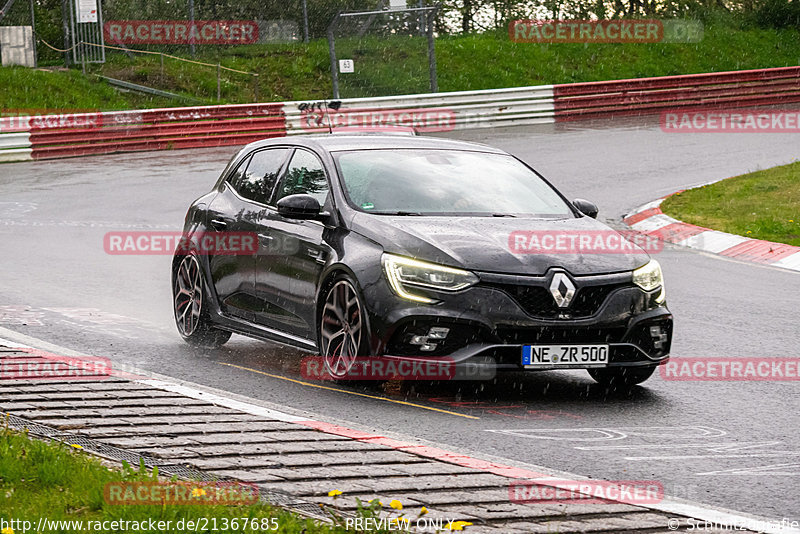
(761, 205)
(485, 61)
(54, 481)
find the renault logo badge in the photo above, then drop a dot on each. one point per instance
(562, 289)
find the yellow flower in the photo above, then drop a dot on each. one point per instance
(73, 445)
(7, 530)
(399, 519)
(749, 232)
(423, 511)
(791, 220)
(334, 493)
(397, 505)
(458, 525)
(198, 492)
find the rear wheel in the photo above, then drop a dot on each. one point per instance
(342, 328)
(622, 376)
(188, 298)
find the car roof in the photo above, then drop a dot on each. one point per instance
(340, 142)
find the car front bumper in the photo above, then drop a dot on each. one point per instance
(488, 324)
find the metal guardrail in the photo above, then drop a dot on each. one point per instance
(146, 90)
(15, 147)
(59, 136)
(654, 95)
(437, 111)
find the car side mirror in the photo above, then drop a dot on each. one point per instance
(299, 207)
(587, 208)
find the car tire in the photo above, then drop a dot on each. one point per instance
(622, 376)
(343, 331)
(189, 305)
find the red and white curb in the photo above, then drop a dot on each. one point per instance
(522, 471)
(651, 221)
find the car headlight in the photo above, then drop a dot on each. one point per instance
(649, 277)
(403, 273)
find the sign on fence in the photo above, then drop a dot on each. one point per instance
(87, 10)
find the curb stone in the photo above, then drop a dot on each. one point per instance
(651, 221)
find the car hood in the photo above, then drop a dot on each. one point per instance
(482, 243)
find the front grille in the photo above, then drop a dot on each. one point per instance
(538, 302)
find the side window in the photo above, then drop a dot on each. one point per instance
(235, 178)
(258, 181)
(305, 175)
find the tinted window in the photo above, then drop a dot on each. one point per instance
(258, 181)
(446, 182)
(235, 177)
(305, 175)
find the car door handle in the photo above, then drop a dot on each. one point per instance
(316, 254)
(219, 224)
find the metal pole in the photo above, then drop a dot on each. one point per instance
(255, 88)
(100, 31)
(33, 29)
(305, 21)
(162, 64)
(332, 51)
(191, 27)
(64, 15)
(219, 82)
(429, 18)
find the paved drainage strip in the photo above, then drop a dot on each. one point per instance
(193, 434)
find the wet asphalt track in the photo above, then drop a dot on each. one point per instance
(731, 444)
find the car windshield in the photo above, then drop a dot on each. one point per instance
(446, 182)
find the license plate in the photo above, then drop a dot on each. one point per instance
(579, 356)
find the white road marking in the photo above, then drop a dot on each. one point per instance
(219, 400)
(790, 469)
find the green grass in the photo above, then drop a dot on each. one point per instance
(33, 91)
(398, 66)
(762, 205)
(57, 482)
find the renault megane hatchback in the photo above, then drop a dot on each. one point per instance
(416, 247)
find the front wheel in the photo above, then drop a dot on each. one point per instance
(342, 328)
(188, 298)
(622, 376)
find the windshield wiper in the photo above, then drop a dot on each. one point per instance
(503, 215)
(404, 213)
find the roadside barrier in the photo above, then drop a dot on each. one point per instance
(81, 134)
(58, 136)
(643, 96)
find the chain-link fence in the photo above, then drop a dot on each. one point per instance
(383, 52)
(237, 50)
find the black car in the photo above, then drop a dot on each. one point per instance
(399, 247)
